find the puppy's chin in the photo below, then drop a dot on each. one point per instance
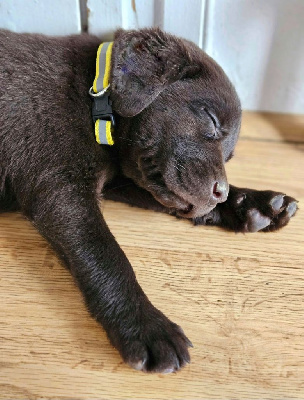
(195, 211)
(181, 207)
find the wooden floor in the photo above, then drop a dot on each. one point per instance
(239, 298)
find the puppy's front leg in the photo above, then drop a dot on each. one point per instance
(70, 219)
(245, 210)
(249, 210)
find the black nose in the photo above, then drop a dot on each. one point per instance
(220, 191)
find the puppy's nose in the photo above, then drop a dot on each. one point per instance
(220, 191)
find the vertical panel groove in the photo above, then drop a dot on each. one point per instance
(159, 13)
(83, 8)
(205, 26)
(202, 24)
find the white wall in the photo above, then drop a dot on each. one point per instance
(259, 43)
(183, 18)
(58, 17)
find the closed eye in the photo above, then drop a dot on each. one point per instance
(212, 117)
(215, 133)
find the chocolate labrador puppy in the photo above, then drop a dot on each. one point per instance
(177, 122)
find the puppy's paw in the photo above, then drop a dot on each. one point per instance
(282, 208)
(253, 210)
(158, 345)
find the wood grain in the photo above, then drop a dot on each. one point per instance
(238, 297)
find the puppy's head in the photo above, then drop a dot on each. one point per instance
(178, 119)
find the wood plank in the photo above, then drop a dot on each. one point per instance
(238, 297)
(272, 127)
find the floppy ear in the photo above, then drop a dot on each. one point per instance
(143, 63)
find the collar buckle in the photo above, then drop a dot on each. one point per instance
(102, 106)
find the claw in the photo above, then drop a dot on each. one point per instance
(139, 366)
(168, 371)
(240, 198)
(189, 343)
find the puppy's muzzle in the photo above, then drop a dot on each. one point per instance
(218, 194)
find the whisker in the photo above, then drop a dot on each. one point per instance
(179, 162)
(175, 166)
(180, 165)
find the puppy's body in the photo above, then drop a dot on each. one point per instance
(46, 125)
(178, 119)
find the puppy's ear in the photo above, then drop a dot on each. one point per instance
(144, 63)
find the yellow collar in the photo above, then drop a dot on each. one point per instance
(102, 105)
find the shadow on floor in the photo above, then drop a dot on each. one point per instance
(289, 126)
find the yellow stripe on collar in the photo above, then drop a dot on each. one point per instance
(100, 86)
(97, 68)
(103, 67)
(101, 128)
(106, 77)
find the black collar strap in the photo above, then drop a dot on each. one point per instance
(102, 106)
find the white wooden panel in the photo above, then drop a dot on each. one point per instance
(179, 17)
(260, 45)
(138, 14)
(104, 17)
(185, 19)
(55, 17)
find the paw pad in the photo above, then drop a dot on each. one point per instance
(277, 202)
(260, 210)
(292, 208)
(256, 221)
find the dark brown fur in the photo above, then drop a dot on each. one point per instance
(178, 120)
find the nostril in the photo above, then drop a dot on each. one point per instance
(220, 191)
(217, 190)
